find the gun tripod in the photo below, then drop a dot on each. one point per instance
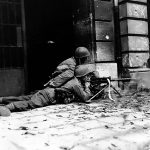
(108, 85)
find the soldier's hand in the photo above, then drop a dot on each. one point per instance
(87, 84)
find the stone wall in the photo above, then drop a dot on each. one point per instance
(133, 18)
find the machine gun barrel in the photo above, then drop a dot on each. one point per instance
(122, 79)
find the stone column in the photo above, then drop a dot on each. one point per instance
(104, 38)
(134, 34)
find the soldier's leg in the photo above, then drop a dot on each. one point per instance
(9, 99)
(42, 98)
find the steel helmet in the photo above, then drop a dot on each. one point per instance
(83, 70)
(81, 52)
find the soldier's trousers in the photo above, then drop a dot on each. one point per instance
(41, 98)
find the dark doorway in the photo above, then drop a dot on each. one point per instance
(48, 20)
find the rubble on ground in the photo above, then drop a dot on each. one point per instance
(122, 124)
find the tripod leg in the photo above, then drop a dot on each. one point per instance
(97, 93)
(115, 90)
(109, 85)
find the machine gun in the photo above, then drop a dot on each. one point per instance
(98, 85)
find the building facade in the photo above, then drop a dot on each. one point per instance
(12, 48)
(115, 32)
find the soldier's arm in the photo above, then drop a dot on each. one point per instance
(77, 88)
(83, 93)
(62, 78)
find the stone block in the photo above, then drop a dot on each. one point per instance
(142, 77)
(143, 1)
(131, 72)
(104, 30)
(103, 10)
(132, 10)
(135, 43)
(138, 138)
(107, 69)
(139, 72)
(133, 27)
(134, 59)
(104, 51)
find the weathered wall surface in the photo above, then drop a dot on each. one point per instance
(104, 39)
(12, 48)
(94, 28)
(12, 82)
(133, 18)
(104, 30)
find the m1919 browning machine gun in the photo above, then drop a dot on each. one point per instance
(98, 85)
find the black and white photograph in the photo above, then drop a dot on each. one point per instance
(74, 75)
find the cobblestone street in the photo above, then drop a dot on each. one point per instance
(76, 126)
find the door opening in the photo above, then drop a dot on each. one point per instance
(48, 20)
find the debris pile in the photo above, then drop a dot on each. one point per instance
(138, 100)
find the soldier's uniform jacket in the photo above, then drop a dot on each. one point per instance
(76, 88)
(71, 91)
(63, 73)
